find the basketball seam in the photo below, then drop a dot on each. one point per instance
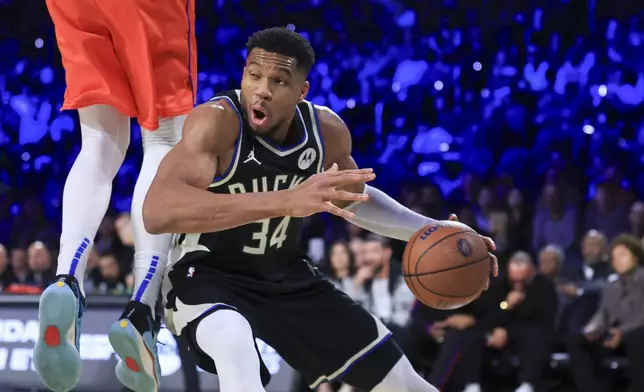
(451, 268)
(447, 295)
(408, 261)
(436, 243)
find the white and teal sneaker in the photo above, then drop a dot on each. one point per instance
(57, 352)
(134, 339)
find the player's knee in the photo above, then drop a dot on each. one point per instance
(224, 331)
(168, 134)
(105, 132)
(403, 378)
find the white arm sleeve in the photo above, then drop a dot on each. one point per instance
(383, 215)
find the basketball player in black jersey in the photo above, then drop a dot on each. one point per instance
(252, 163)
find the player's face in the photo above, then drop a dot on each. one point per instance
(271, 88)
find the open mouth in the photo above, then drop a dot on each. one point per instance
(258, 116)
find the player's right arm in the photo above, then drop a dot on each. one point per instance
(178, 201)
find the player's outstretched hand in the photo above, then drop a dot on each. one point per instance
(491, 246)
(316, 193)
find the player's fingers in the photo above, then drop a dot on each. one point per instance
(350, 178)
(489, 242)
(348, 196)
(342, 173)
(453, 217)
(335, 210)
(333, 168)
(495, 265)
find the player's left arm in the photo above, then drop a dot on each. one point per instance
(380, 214)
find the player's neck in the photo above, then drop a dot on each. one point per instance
(284, 134)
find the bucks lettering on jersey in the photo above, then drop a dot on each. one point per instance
(259, 165)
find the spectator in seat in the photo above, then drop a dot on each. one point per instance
(19, 268)
(387, 294)
(618, 322)
(551, 261)
(462, 343)
(604, 215)
(519, 221)
(356, 244)
(342, 269)
(113, 280)
(39, 261)
(5, 272)
(636, 219)
(555, 223)
(582, 290)
(524, 314)
(595, 265)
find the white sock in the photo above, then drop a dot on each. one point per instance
(151, 251)
(227, 338)
(403, 378)
(86, 197)
(472, 388)
(525, 387)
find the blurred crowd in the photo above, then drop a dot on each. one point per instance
(524, 118)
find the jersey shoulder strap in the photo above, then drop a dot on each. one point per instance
(232, 97)
(311, 123)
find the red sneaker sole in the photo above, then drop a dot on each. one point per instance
(52, 336)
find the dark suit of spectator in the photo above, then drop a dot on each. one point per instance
(584, 284)
(523, 318)
(618, 322)
(462, 345)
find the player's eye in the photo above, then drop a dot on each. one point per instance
(254, 75)
(280, 81)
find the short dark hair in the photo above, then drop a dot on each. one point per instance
(282, 41)
(383, 241)
(631, 243)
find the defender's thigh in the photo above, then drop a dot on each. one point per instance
(93, 72)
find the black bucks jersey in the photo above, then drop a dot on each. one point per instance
(262, 248)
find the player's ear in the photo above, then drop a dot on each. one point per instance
(304, 91)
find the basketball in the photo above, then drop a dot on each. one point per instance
(446, 265)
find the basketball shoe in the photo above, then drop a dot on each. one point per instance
(134, 339)
(57, 352)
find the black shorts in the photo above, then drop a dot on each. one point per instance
(317, 329)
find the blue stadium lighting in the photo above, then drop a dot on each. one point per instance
(602, 90)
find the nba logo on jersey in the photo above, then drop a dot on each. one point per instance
(191, 272)
(307, 158)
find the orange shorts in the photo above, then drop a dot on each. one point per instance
(136, 55)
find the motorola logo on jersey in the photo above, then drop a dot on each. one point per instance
(307, 158)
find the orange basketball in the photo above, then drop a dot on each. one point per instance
(446, 265)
